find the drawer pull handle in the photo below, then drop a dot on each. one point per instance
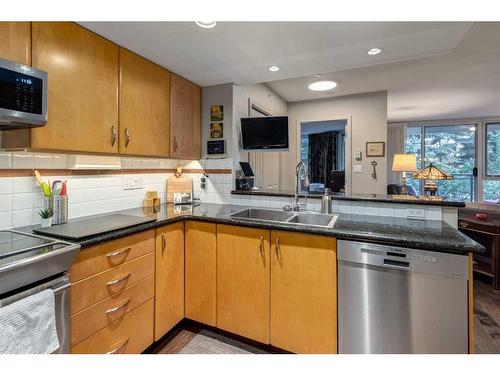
(119, 349)
(118, 253)
(118, 308)
(163, 243)
(118, 281)
(127, 137)
(114, 135)
(278, 251)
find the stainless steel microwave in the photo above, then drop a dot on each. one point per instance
(23, 96)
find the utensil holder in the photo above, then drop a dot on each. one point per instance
(59, 206)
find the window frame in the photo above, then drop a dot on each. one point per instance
(485, 155)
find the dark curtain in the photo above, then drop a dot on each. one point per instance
(322, 155)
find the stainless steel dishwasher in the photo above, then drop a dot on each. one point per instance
(399, 300)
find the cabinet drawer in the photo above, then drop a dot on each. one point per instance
(89, 321)
(129, 335)
(111, 254)
(94, 289)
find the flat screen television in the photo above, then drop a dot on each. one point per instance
(264, 133)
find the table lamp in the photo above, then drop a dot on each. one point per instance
(430, 174)
(404, 163)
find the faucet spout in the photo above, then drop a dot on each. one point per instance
(301, 166)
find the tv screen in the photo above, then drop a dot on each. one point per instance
(264, 133)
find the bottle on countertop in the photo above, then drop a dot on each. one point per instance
(326, 202)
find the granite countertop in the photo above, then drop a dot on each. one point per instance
(403, 199)
(429, 235)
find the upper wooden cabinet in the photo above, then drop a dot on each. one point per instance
(185, 118)
(83, 88)
(169, 278)
(243, 281)
(303, 293)
(144, 106)
(15, 42)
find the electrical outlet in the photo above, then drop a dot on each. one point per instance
(357, 168)
(416, 213)
(132, 183)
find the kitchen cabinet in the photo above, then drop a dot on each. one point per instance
(83, 88)
(144, 106)
(200, 279)
(243, 281)
(303, 292)
(15, 42)
(185, 118)
(169, 278)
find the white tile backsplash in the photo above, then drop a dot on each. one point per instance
(22, 160)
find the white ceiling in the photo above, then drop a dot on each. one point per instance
(241, 52)
(431, 70)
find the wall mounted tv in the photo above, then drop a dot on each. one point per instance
(264, 133)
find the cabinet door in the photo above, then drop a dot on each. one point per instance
(144, 106)
(303, 293)
(169, 278)
(15, 42)
(243, 281)
(15, 45)
(200, 271)
(83, 88)
(185, 118)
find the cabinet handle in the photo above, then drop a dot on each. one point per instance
(118, 349)
(176, 143)
(119, 280)
(114, 135)
(261, 247)
(277, 250)
(163, 243)
(127, 135)
(118, 308)
(118, 253)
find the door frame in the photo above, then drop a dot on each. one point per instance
(348, 143)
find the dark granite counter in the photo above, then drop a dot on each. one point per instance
(404, 199)
(421, 234)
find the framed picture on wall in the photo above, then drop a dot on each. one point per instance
(375, 149)
(216, 113)
(216, 130)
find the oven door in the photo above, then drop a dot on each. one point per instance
(62, 293)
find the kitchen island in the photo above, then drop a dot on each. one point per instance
(276, 283)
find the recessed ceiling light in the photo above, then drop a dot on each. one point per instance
(322, 85)
(206, 24)
(317, 75)
(274, 68)
(374, 51)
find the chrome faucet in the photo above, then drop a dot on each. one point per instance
(300, 167)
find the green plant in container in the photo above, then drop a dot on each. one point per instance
(46, 214)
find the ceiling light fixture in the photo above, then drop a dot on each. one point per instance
(274, 68)
(322, 85)
(206, 24)
(374, 51)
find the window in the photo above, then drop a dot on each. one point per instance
(491, 183)
(452, 148)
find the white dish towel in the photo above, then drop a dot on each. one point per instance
(28, 326)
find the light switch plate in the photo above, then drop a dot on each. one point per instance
(132, 183)
(357, 168)
(416, 213)
(358, 155)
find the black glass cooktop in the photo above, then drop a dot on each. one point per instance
(15, 246)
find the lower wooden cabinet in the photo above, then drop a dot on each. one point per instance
(200, 278)
(129, 335)
(243, 281)
(303, 292)
(169, 278)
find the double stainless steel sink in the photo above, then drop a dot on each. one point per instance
(287, 217)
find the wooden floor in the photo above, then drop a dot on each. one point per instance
(486, 318)
(192, 339)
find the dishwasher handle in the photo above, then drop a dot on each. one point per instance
(399, 264)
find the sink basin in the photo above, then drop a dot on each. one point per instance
(302, 218)
(261, 214)
(317, 220)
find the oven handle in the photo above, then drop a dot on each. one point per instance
(61, 288)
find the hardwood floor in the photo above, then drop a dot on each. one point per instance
(486, 318)
(190, 338)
